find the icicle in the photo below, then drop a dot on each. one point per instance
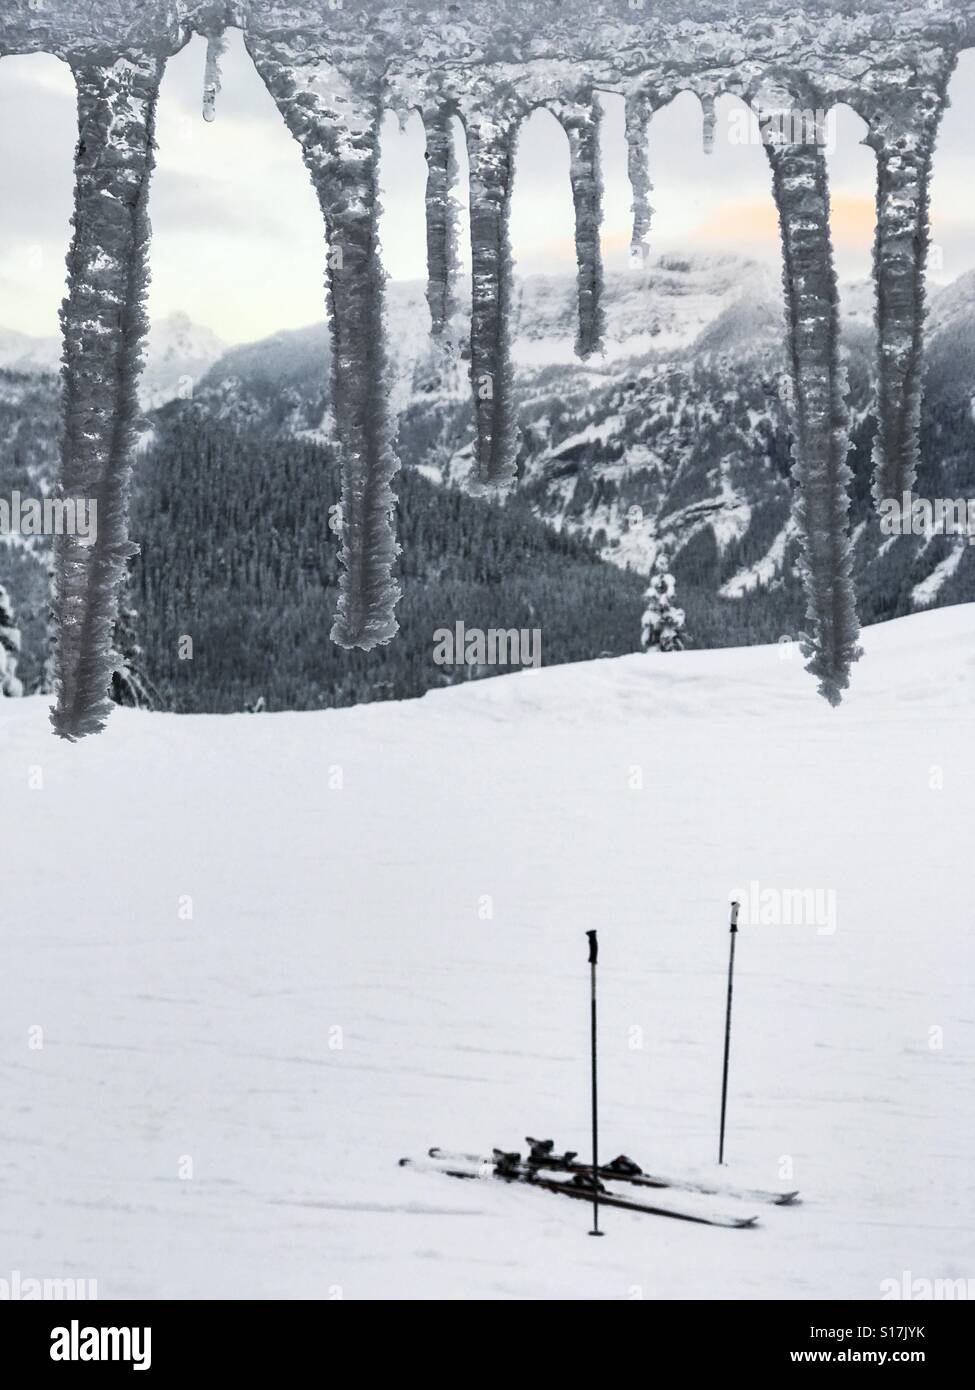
(338, 131)
(638, 113)
(580, 121)
(709, 120)
(211, 74)
(441, 218)
(821, 439)
(490, 144)
(902, 132)
(103, 321)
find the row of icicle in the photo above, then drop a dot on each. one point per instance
(800, 190)
(340, 147)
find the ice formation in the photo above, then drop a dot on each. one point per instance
(441, 218)
(211, 75)
(580, 120)
(490, 146)
(337, 126)
(821, 439)
(639, 110)
(903, 127)
(709, 120)
(333, 67)
(104, 322)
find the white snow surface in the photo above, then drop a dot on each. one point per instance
(361, 909)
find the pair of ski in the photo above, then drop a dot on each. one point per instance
(542, 1164)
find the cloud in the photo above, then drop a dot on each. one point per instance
(852, 218)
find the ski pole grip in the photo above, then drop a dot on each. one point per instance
(734, 916)
(593, 947)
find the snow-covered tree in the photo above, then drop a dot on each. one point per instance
(9, 647)
(663, 621)
(130, 684)
(44, 681)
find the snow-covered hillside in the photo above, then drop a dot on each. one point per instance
(677, 436)
(386, 951)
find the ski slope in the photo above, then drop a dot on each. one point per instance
(219, 1103)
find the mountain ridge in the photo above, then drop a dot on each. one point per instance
(678, 439)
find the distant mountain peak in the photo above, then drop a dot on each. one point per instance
(21, 352)
(179, 354)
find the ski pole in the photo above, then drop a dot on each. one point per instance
(727, 1027)
(593, 953)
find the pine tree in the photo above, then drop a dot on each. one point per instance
(9, 648)
(130, 684)
(663, 621)
(44, 681)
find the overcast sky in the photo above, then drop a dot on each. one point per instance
(237, 238)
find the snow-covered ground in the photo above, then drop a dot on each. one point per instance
(219, 1103)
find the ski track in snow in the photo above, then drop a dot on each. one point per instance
(357, 909)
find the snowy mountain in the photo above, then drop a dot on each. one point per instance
(598, 438)
(663, 311)
(678, 436)
(19, 352)
(179, 352)
(221, 1031)
(178, 355)
(951, 348)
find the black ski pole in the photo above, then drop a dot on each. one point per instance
(727, 1027)
(593, 953)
